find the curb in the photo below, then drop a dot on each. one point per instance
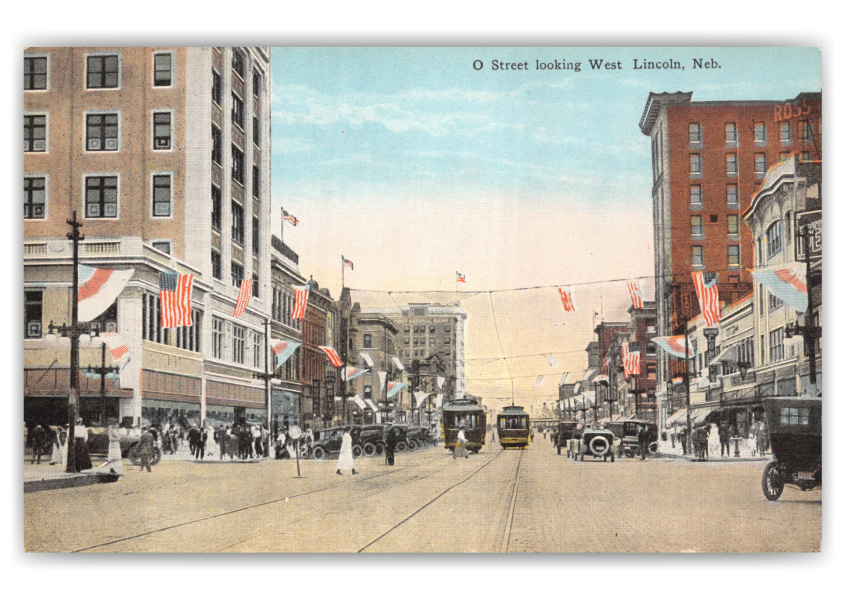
(711, 460)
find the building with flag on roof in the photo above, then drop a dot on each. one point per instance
(708, 159)
(178, 183)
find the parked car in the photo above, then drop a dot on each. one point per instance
(594, 441)
(372, 439)
(98, 443)
(627, 431)
(328, 442)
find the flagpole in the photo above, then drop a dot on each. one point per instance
(344, 368)
(282, 226)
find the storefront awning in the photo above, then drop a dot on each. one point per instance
(677, 418)
(698, 415)
(729, 355)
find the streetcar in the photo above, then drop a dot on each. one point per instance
(465, 413)
(513, 427)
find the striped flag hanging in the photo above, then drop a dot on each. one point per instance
(395, 387)
(244, 295)
(300, 302)
(350, 373)
(539, 380)
(283, 350)
(673, 345)
(175, 295)
(348, 263)
(566, 294)
(115, 344)
(636, 294)
(709, 296)
(332, 356)
(631, 361)
(290, 218)
(460, 278)
(98, 289)
(601, 379)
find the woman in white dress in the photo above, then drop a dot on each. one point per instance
(714, 439)
(345, 459)
(56, 458)
(115, 460)
(460, 445)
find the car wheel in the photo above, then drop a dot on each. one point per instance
(771, 482)
(380, 449)
(402, 446)
(599, 446)
(356, 451)
(318, 453)
(653, 448)
(369, 449)
(133, 455)
(412, 445)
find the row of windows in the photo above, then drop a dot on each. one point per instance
(238, 344)
(422, 329)
(238, 224)
(101, 196)
(187, 338)
(696, 196)
(422, 353)
(759, 132)
(282, 307)
(697, 256)
(424, 341)
(102, 131)
(237, 161)
(760, 158)
(697, 227)
(102, 71)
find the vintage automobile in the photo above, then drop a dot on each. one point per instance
(372, 439)
(565, 433)
(593, 441)
(419, 438)
(328, 442)
(795, 426)
(98, 443)
(627, 432)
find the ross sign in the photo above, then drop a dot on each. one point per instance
(295, 432)
(813, 220)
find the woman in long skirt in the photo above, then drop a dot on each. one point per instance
(56, 458)
(80, 442)
(115, 459)
(460, 450)
(345, 459)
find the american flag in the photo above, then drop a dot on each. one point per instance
(175, 296)
(631, 361)
(566, 294)
(300, 301)
(115, 343)
(348, 262)
(332, 356)
(244, 295)
(460, 278)
(709, 296)
(635, 293)
(290, 218)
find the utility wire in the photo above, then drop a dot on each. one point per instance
(502, 348)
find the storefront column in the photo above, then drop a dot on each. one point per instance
(130, 306)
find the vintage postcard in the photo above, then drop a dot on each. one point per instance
(422, 300)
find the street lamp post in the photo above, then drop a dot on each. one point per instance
(102, 370)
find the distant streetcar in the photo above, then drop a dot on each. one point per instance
(513, 427)
(463, 413)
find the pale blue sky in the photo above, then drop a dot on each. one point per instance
(415, 165)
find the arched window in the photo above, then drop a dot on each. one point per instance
(774, 239)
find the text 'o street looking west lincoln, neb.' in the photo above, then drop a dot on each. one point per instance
(598, 64)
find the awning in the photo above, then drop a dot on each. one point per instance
(677, 418)
(729, 355)
(698, 415)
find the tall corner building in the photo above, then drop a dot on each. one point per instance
(708, 160)
(163, 154)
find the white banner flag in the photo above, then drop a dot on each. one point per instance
(382, 377)
(398, 364)
(419, 398)
(439, 400)
(539, 380)
(367, 359)
(551, 360)
(441, 381)
(359, 402)
(563, 379)
(371, 405)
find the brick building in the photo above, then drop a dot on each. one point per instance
(708, 159)
(317, 375)
(163, 154)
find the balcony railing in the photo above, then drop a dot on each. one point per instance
(284, 250)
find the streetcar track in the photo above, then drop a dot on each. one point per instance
(233, 511)
(509, 519)
(430, 502)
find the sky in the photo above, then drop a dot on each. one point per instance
(416, 163)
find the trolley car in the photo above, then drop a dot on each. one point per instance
(513, 427)
(463, 413)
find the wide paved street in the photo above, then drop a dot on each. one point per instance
(495, 501)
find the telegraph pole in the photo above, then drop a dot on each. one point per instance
(73, 397)
(810, 328)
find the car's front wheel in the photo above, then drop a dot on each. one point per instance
(318, 453)
(369, 449)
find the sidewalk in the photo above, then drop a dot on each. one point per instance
(666, 450)
(53, 477)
